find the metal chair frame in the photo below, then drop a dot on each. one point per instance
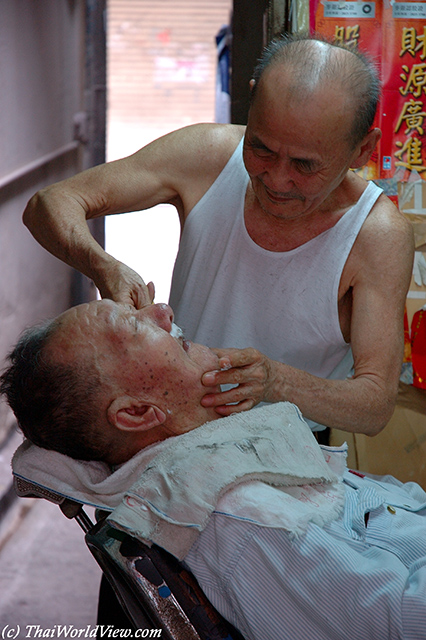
(153, 588)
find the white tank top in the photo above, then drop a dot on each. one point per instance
(229, 292)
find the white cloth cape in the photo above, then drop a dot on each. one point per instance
(263, 465)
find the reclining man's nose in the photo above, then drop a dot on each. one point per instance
(163, 315)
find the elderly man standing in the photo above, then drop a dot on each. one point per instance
(291, 264)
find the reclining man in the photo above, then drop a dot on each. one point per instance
(105, 381)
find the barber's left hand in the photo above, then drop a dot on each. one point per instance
(250, 370)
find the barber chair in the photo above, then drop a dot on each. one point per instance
(154, 590)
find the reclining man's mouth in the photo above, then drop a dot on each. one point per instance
(176, 331)
(178, 334)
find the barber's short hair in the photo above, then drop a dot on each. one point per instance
(55, 404)
(357, 74)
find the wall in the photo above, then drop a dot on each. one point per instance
(41, 78)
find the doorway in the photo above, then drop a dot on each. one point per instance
(161, 75)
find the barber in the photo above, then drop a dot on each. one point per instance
(292, 264)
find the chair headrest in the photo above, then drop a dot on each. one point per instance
(26, 489)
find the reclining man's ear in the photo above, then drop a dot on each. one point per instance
(130, 414)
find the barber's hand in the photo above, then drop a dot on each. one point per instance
(123, 284)
(250, 370)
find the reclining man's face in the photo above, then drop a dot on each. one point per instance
(138, 358)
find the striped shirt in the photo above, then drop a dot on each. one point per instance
(361, 577)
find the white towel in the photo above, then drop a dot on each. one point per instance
(178, 491)
(166, 493)
(91, 483)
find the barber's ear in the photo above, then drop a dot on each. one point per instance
(130, 414)
(366, 148)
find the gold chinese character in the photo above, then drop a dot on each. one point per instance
(413, 115)
(339, 35)
(415, 80)
(347, 35)
(408, 41)
(422, 44)
(413, 150)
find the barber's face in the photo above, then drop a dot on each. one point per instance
(135, 349)
(296, 150)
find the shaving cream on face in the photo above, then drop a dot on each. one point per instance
(176, 331)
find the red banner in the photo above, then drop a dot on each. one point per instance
(394, 35)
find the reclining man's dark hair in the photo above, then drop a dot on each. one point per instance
(54, 404)
(357, 73)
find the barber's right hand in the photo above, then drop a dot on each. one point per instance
(122, 284)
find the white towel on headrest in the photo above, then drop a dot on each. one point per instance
(166, 493)
(91, 483)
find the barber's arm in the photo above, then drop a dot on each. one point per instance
(57, 217)
(174, 169)
(365, 402)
